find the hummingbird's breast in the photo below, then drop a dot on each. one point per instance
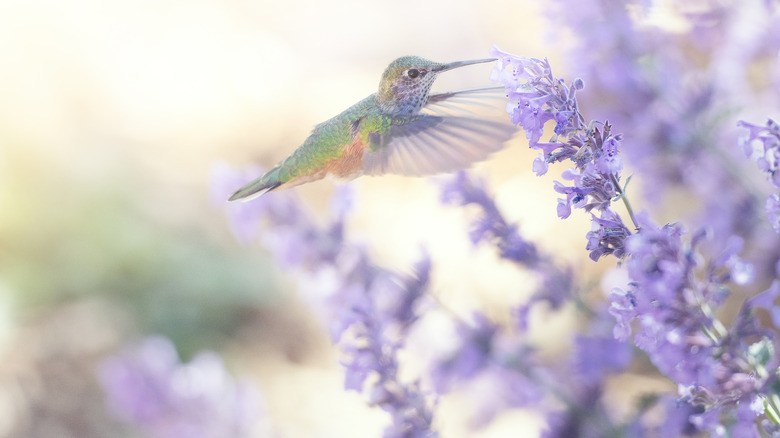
(335, 147)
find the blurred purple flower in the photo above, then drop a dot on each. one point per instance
(473, 354)
(767, 157)
(623, 307)
(367, 309)
(677, 418)
(772, 208)
(746, 416)
(766, 300)
(555, 284)
(493, 366)
(148, 387)
(491, 225)
(242, 216)
(597, 356)
(588, 419)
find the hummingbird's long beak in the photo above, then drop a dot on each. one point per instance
(451, 65)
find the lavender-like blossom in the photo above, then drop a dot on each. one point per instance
(555, 283)
(149, 387)
(642, 78)
(491, 225)
(716, 366)
(677, 326)
(593, 150)
(368, 310)
(492, 361)
(487, 350)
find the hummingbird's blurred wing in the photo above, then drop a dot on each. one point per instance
(454, 130)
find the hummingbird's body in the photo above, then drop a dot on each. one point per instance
(400, 129)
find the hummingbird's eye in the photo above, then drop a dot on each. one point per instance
(413, 73)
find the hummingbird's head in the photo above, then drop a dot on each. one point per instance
(405, 85)
(407, 81)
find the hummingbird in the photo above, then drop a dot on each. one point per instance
(403, 129)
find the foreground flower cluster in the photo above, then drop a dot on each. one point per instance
(673, 294)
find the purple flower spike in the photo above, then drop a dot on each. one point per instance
(672, 292)
(491, 226)
(367, 309)
(472, 356)
(607, 236)
(541, 97)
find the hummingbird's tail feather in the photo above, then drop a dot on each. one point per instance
(254, 189)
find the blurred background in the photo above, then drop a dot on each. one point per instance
(113, 115)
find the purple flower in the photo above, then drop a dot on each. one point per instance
(772, 207)
(672, 293)
(640, 79)
(540, 165)
(536, 97)
(150, 388)
(728, 266)
(532, 118)
(491, 225)
(607, 235)
(374, 315)
(623, 306)
(767, 157)
(767, 154)
(746, 420)
(367, 309)
(766, 300)
(476, 343)
(576, 195)
(587, 420)
(493, 366)
(676, 326)
(555, 283)
(593, 150)
(677, 421)
(609, 162)
(242, 216)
